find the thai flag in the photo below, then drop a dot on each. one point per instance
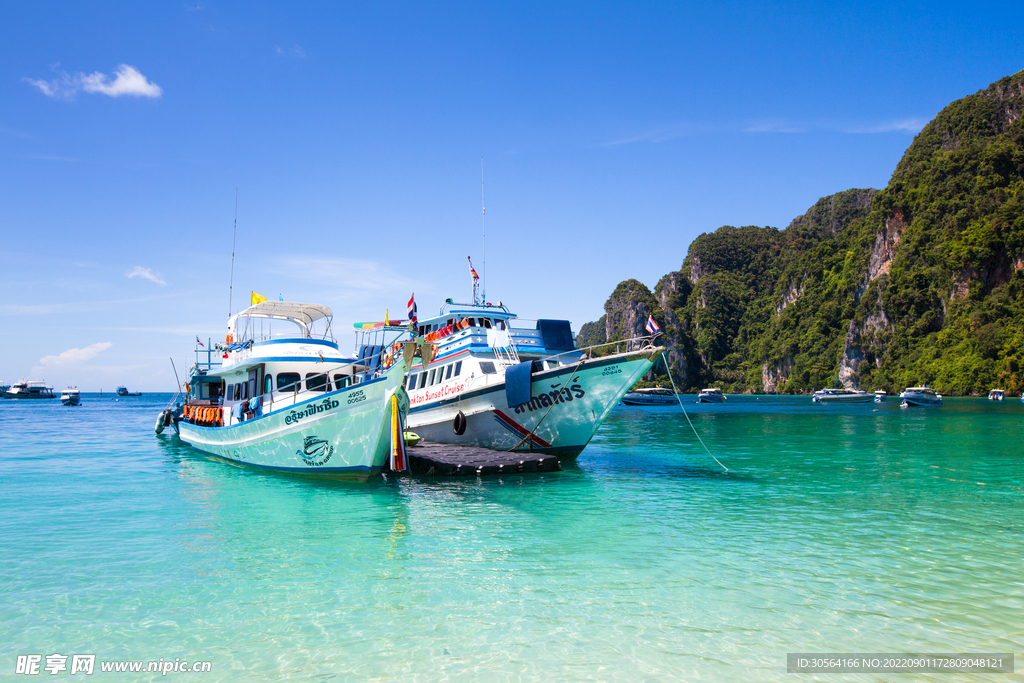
(652, 327)
(199, 342)
(412, 308)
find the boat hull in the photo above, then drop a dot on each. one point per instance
(866, 398)
(710, 399)
(921, 400)
(340, 434)
(567, 406)
(70, 400)
(641, 400)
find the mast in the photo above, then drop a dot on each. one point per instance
(234, 231)
(483, 226)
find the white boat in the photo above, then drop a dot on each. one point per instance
(920, 396)
(70, 396)
(291, 401)
(651, 396)
(498, 383)
(710, 395)
(842, 396)
(880, 395)
(30, 389)
(996, 395)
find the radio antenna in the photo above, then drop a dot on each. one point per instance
(234, 231)
(483, 225)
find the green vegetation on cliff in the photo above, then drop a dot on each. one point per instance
(922, 282)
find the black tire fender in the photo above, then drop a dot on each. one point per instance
(459, 425)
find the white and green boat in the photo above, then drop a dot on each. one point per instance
(288, 399)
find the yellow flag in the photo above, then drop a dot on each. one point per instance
(257, 299)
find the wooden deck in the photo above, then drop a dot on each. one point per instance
(447, 460)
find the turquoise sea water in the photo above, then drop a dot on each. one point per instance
(838, 529)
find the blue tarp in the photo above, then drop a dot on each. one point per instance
(517, 383)
(557, 335)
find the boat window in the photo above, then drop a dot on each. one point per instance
(288, 381)
(501, 324)
(472, 322)
(423, 380)
(487, 367)
(316, 381)
(486, 322)
(449, 376)
(410, 383)
(458, 368)
(430, 382)
(244, 393)
(268, 384)
(550, 364)
(230, 393)
(341, 381)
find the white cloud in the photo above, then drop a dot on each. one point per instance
(71, 357)
(900, 126)
(127, 81)
(139, 271)
(294, 51)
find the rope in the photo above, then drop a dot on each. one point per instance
(676, 391)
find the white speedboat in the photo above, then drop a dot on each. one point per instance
(292, 401)
(652, 396)
(996, 395)
(842, 396)
(497, 383)
(710, 395)
(880, 395)
(30, 389)
(70, 396)
(920, 396)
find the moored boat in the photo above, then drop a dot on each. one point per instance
(70, 396)
(497, 383)
(710, 395)
(996, 395)
(651, 396)
(880, 395)
(123, 391)
(28, 389)
(920, 396)
(292, 401)
(842, 396)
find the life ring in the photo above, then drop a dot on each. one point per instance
(459, 425)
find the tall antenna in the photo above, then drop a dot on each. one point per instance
(234, 231)
(483, 225)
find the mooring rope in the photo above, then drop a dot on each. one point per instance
(676, 391)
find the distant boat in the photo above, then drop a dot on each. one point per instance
(920, 396)
(842, 396)
(30, 389)
(996, 395)
(123, 391)
(653, 396)
(70, 396)
(880, 395)
(711, 395)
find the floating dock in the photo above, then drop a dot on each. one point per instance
(447, 460)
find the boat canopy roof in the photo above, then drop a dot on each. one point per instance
(300, 314)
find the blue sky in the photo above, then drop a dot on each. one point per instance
(612, 135)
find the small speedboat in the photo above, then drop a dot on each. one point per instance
(70, 396)
(880, 395)
(711, 395)
(842, 396)
(920, 396)
(653, 396)
(996, 395)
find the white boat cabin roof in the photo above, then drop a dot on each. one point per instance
(302, 315)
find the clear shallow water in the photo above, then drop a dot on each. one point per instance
(839, 529)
